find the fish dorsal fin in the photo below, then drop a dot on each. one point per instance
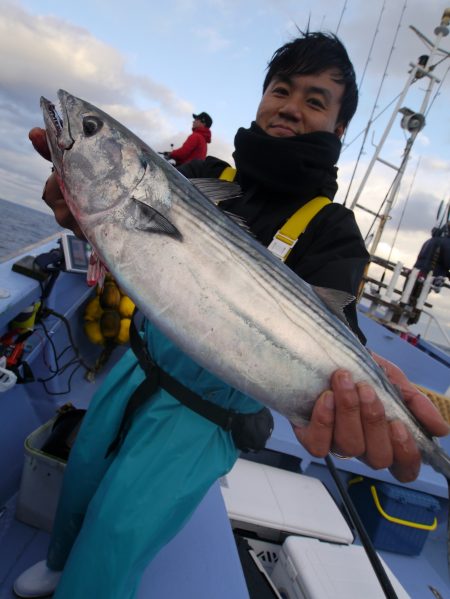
(335, 300)
(239, 220)
(217, 190)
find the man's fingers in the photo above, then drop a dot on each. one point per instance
(379, 453)
(348, 433)
(317, 436)
(53, 197)
(407, 459)
(419, 404)
(426, 412)
(52, 192)
(65, 219)
(38, 138)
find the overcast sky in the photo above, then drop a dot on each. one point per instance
(152, 64)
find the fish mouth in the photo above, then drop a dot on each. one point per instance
(57, 128)
(54, 118)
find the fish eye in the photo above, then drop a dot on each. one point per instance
(91, 125)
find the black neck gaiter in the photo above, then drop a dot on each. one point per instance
(300, 167)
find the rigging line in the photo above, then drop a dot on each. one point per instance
(375, 104)
(401, 169)
(379, 210)
(340, 18)
(395, 99)
(369, 55)
(379, 114)
(408, 196)
(445, 218)
(373, 120)
(436, 94)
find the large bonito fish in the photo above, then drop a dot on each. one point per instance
(215, 291)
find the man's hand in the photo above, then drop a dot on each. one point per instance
(52, 194)
(349, 419)
(38, 138)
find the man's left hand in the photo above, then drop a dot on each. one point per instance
(349, 419)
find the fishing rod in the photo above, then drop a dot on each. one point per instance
(362, 533)
(166, 154)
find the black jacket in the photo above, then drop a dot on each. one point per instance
(330, 253)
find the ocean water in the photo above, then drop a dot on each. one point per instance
(21, 226)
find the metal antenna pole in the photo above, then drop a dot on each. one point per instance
(411, 121)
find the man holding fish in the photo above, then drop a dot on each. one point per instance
(284, 160)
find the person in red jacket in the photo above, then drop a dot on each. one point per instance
(195, 145)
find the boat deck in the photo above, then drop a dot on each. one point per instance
(202, 561)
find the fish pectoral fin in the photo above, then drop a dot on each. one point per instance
(335, 300)
(217, 190)
(146, 218)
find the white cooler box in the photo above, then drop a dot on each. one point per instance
(40, 486)
(311, 569)
(275, 503)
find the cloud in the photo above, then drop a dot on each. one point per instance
(41, 51)
(213, 40)
(418, 213)
(44, 53)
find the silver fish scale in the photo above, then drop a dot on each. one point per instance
(275, 276)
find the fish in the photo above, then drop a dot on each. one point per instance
(215, 291)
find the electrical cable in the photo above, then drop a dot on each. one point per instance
(59, 369)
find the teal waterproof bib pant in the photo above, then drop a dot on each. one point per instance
(115, 514)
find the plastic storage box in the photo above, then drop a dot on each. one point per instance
(311, 569)
(274, 503)
(41, 481)
(397, 519)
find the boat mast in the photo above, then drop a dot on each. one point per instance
(413, 122)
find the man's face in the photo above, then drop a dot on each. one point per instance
(301, 104)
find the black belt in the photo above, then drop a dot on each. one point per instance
(250, 432)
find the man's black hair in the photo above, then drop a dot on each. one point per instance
(314, 53)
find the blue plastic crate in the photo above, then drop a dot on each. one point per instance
(396, 518)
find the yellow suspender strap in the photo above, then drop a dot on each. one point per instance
(285, 239)
(228, 174)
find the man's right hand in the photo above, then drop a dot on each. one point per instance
(52, 194)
